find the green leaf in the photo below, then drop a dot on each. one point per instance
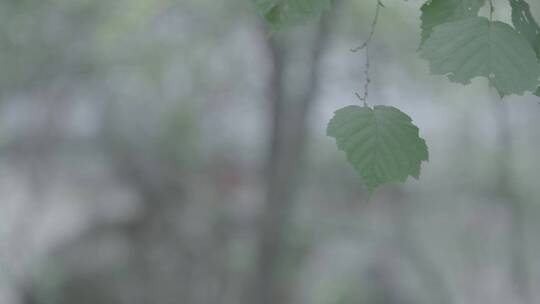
(537, 93)
(381, 143)
(437, 12)
(279, 13)
(475, 46)
(525, 24)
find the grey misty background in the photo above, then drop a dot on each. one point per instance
(173, 151)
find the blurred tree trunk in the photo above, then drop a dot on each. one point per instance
(288, 133)
(516, 213)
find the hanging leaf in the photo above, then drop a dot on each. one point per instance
(279, 13)
(525, 24)
(437, 12)
(381, 143)
(475, 46)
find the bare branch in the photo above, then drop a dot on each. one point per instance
(365, 46)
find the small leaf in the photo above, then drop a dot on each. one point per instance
(525, 24)
(381, 143)
(475, 46)
(279, 13)
(437, 12)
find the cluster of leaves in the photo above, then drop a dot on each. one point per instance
(381, 142)
(281, 13)
(459, 43)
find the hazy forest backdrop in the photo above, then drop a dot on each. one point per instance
(173, 151)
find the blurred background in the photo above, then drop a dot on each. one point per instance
(174, 151)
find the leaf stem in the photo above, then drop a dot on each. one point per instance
(373, 27)
(491, 10)
(365, 46)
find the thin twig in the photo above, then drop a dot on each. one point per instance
(368, 79)
(365, 46)
(373, 27)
